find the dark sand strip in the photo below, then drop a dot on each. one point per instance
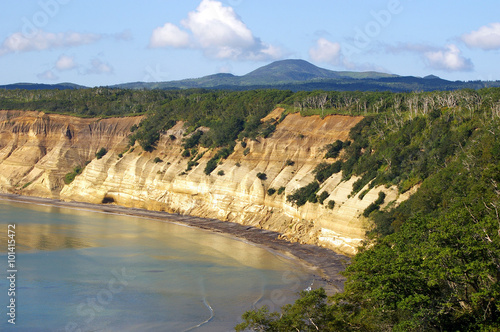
(327, 263)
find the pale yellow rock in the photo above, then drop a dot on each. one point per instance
(37, 150)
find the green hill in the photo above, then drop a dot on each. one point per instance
(294, 75)
(285, 74)
(36, 86)
(300, 75)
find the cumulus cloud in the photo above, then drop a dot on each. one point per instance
(326, 51)
(41, 40)
(48, 75)
(169, 35)
(99, 67)
(332, 53)
(449, 59)
(486, 37)
(218, 31)
(212, 24)
(65, 63)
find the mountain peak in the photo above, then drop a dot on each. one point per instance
(289, 70)
(432, 77)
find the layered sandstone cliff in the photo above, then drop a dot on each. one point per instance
(37, 150)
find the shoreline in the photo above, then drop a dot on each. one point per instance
(326, 263)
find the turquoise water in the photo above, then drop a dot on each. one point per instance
(87, 271)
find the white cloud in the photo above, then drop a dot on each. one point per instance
(18, 42)
(326, 51)
(169, 35)
(98, 67)
(48, 76)
(214, 25)
(449, 59)
(486, 37)
(218, 31)
(65, 63)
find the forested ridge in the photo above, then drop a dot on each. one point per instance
(431, 263)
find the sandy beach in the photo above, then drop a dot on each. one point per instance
(326, 263)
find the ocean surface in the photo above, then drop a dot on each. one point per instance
(86, 271)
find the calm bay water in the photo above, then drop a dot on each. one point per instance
(88, 271)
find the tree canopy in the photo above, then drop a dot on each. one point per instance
(431, 263)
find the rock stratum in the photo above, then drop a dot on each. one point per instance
(37, 150)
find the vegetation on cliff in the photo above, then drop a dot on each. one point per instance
(431, 263)
(69, 177)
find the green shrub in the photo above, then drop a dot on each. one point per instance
(221, 154)
(372, 207)
(333, 150)
(282, 117)
(101, 153)
(262, 176)
(246, 151)
(268, 130)
(186, 154)
(172, 137)
(324, 195)
(375, 205)
(304, 194)
(324, 170)
(363, 194)
(120, 155)
(191, 164)
(381, 198)
(193, 140)
(157, 160)
(211, 165)
(331, 204)
(281, 190)
(243, 144)
(68, 178)
(290, 162)
(131, 140)
(220, 173)
(271, 191)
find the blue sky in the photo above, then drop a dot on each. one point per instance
(96, 43)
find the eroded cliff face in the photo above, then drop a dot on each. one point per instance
(37, 150)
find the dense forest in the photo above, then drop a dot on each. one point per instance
(431, 263)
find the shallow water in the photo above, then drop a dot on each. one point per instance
(87, 271)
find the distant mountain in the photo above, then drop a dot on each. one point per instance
(279, 73)
(295, 75)
(287, 71)
(37, 86)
